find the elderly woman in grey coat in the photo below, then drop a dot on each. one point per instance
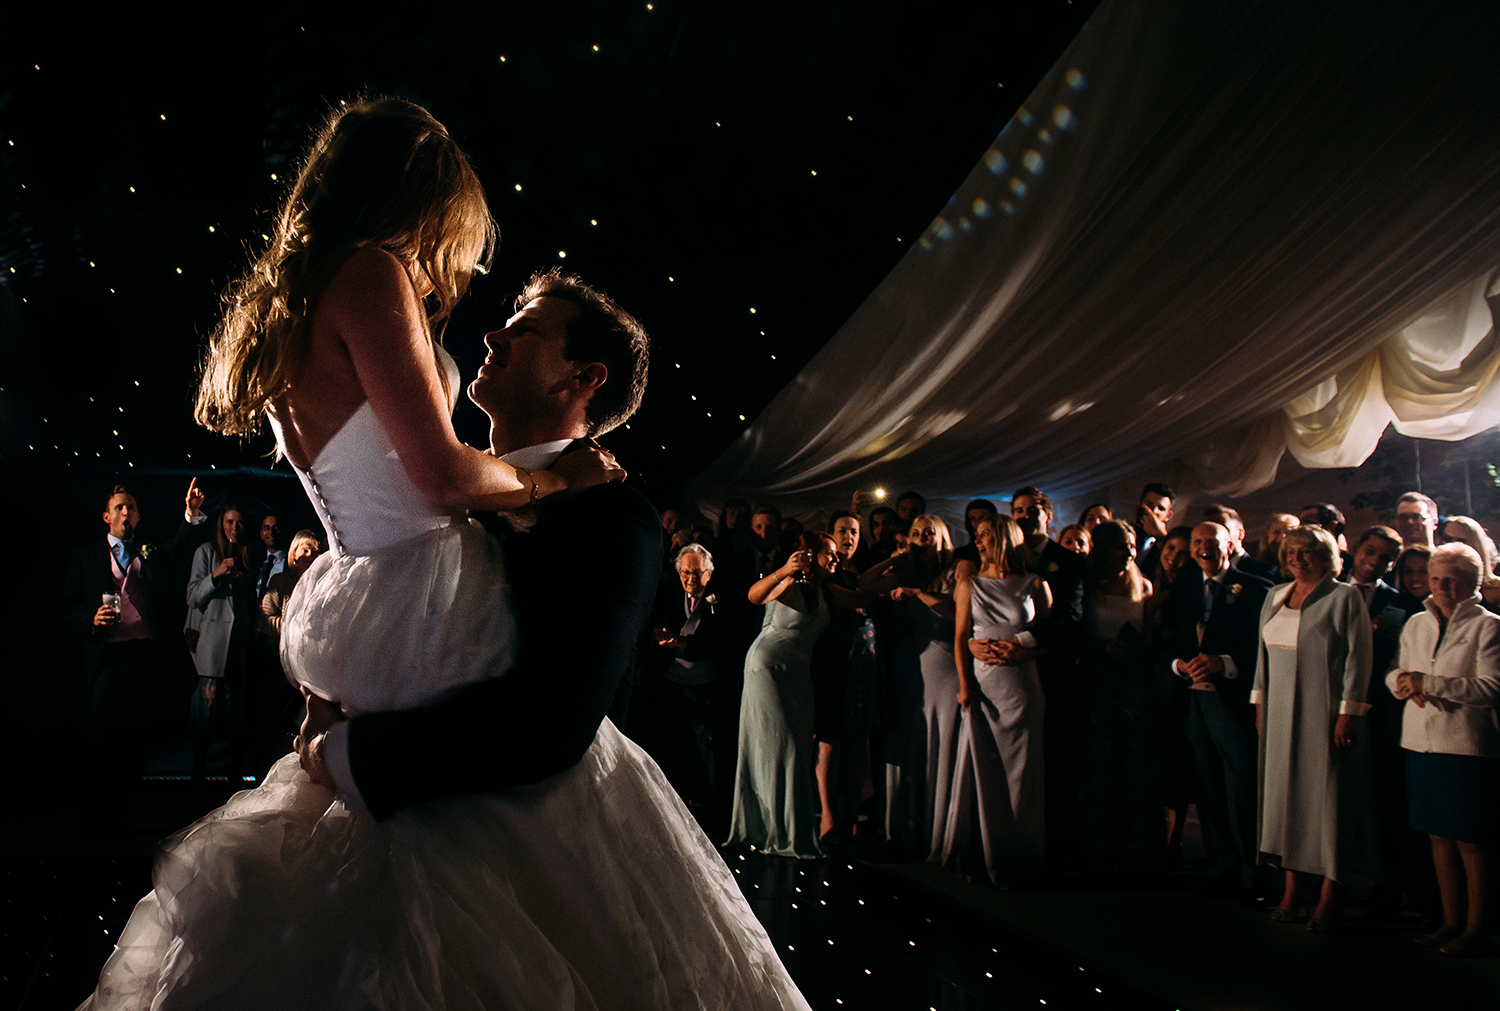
(1449, 674)
(1311, 680)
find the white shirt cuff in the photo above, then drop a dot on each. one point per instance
(1230, 670)
(1348, 707)
(336, 757)
(1027, 640)
(1178, 670)
(1257, 696)
(192, 520)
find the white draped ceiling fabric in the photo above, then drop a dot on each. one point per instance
(1214, 234)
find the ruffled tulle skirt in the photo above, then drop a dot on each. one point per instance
(594, 889)
(403, 625)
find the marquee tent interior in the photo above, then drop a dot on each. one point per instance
(1213, 236)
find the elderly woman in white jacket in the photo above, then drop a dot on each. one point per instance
(1449, 673)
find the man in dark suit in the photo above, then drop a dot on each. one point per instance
(569, 365)
(1062, 570)
(683, 715)
(109, 601)
(1375, 552)
(1330, 518)
(1217, 619)
(1066, 718)
(1229, 518)
(1153, 519)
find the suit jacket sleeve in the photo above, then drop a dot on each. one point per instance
(1234, 629)
(584, 582)
(1187, 606)
(1063, 573)
(80, 596)
(1359, 664)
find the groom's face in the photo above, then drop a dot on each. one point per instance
(525, 364)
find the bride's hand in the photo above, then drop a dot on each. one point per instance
(585, 468)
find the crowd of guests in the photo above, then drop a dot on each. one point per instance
(1012, 707)
(1019, 706)
(208, 601)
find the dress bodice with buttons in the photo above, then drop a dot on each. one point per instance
(408, 604)
(360, 489)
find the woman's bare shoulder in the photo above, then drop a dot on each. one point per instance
(370, 281)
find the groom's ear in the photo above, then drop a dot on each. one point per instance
(590, 377)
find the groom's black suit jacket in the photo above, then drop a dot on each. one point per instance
(583, 580)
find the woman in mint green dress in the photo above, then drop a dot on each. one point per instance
(774, 791)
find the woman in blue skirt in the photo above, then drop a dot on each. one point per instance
(1449, 675)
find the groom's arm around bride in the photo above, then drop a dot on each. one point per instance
(570, 364)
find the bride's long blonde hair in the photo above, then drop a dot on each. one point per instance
(380, 172)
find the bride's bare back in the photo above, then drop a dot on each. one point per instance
(368, 343)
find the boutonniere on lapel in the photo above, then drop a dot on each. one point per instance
(1232, 594)
(147, 550)
(710, 600)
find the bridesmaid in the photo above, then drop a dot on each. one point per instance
(996, 806)
(773, 788)
(1120, 795)
(923, 702)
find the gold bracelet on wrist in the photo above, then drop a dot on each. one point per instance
(531, 499)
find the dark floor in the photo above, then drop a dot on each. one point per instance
(852, 934)
(855, 930)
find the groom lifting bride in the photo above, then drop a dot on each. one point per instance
(477, 833)
(569, 366)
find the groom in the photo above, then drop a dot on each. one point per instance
(569, 365)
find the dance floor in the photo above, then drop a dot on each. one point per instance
(854, 931)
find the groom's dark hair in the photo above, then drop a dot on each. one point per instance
(601, 332)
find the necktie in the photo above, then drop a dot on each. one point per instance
(264, 581)
(122, 556)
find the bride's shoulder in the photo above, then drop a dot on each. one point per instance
(369, 292)
(369, 270)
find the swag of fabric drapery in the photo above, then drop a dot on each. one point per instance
(1213, 233)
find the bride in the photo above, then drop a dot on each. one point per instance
(592, 889)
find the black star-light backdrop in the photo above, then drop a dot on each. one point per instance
(738, 176)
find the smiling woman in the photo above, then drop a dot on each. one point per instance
(1315, 813)
(1449, 675)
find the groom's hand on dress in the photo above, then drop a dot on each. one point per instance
(321, 714)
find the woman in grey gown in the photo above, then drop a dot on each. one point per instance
(1316, 807)
(774, 790)
(922, 702)
(996, 800)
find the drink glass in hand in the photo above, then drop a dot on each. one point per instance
(111, 601)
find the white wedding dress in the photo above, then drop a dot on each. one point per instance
(593, 889)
